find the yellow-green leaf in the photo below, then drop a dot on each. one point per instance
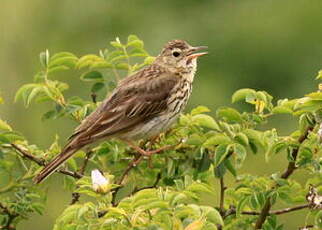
(196, 225)
(229, 114)
(205, 121)
(4, 126)
(199, 109)
(241, 94)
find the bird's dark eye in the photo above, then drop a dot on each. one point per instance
(176, 54)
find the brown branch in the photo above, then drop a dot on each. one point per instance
(136, 160)
(222, 196)
(292, 209)
(232, 211)
(27, 155)
(288, 172)
(11, 217)
(94, 97)
(85, 162)
(263, 214)
(41, 162)
(291, 165)
(306, 227)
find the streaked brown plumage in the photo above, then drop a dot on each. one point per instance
(142, 106)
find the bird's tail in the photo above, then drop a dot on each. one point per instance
(54, 164)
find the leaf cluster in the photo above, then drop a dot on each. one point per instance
(173, 189)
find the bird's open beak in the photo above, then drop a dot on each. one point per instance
(194, 55)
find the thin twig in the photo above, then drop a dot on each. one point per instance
(85, 162)
(222, 196)
(76, 195)
(288, 172)
(232, 211)
(306, 227)
(42, 162)
(94, 97)
(292, 209)
(136, 160)
(291, 165)
(27, 155)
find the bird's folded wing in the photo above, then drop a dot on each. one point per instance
(136, 100)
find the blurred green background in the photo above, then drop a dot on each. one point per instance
(269, 45)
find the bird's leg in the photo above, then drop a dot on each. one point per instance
(154, 140)
(147, 153)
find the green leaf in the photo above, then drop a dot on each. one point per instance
(132, 38)
(221, 152)
(212, 215)
(241, 204)
(92, 61)
(97, 87)
(4, 126)
(220, 170)
(315, 96)
(33, 94)
(196, 225)
(217, 140)
(240, 154)
(318, 219)
(304, 156)
(255, 139)
(136, 43)
(230, 167)
(274, 149)
(205, 162)
(195, 139)
(4, 139)
(319, 76)
(117, 43)
(61, 54)
(241, 138)
(199, 109)
(242, 94)
(49, 115)
(56, 69)
(12, 136)
(138, 52)
(92, 76)
(229, 114)
(282, 110)
(206, 121)
(69, 61)
(24, 91)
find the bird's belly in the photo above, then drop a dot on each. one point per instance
(161, 123)
(151, 128)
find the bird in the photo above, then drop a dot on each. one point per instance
(142, 106)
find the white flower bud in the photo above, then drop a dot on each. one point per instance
(99, 182)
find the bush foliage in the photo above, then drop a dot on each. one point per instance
(173, 189)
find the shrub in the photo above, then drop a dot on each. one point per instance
(173, 189)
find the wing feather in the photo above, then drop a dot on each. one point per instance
(138, 98)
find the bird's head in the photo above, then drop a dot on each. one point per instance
(178, 55)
